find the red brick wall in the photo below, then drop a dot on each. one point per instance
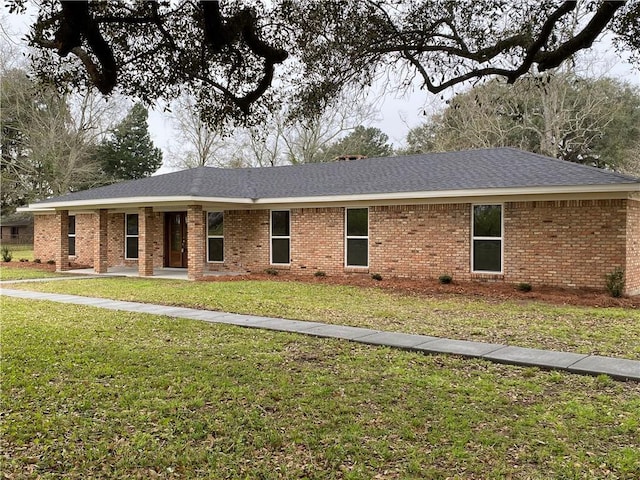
(246, 241)
(317, 238)
(564, 243)
(44, 246)
(420, 240)
(561, 243)
(633, 248)
(85, 228)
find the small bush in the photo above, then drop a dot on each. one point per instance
(6, 254)
(37, 260)
(51, 262)
(524, 287)
(376, 276)
(271, 271)
(320, 273)
(445, 279)
(24, 260)
(615, 282)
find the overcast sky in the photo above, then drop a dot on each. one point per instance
(399, 112)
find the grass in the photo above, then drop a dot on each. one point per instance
(15, 273)
(89, 393)
(603, 331)
(21, 251)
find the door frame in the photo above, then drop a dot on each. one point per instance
(167, 239)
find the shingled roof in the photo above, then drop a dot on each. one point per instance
(488, 169)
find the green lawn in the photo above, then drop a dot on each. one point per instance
(89, 393)
(8, 272)
(603, 331)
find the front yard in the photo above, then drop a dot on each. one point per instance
(520, 322)
(88, 393)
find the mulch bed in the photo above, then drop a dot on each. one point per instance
(430, 288)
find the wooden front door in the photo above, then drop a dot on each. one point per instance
(175, 245)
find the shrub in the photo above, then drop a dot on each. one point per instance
(6, 254)
(445, 279)
(615, 282)
(320, 273)
(376, 276)
(24, 260)
(51, 262)
(37, 260)
(271, 271)
(524, 287)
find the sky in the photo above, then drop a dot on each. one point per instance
(398, 113)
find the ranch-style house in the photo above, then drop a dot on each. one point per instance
(498, 214)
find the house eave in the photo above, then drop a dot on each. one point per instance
(172, 202)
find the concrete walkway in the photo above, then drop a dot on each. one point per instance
(618, 368)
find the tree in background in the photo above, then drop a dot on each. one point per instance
(48, 139)
(128, 152)
(590, 121)
(195, 143)
(370, 142)
(243, 59)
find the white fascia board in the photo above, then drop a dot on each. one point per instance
(167, 201)
(133, 202)
(448, 194)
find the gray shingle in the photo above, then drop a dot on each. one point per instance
(466, 170)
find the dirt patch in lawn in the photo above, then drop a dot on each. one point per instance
(429, 288)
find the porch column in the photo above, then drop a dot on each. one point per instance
(100, 242)
(62, 240)
(145, 241)
(195, 242)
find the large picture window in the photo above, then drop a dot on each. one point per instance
(357, 237)
(72, 235)
(487, 238)
(215, 236)
(280, 237)
(131, 236)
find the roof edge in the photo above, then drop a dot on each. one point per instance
(433, 194)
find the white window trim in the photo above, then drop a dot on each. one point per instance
(126, 236)
(501, 238)
(352, 237)
(271, 236)
(215, 236)
(70, 235)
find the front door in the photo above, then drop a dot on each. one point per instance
(175, 225)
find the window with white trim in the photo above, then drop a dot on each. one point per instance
(131, 236)
(357, 237)
(487, 238)
(215, 236)
(280, 237)
(72, 235)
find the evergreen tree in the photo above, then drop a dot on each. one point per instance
(128, 152)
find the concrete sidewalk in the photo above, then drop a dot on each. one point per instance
(618, 368)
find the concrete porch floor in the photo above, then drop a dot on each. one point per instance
(167, 273)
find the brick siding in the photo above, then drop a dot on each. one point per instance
(633, 248)
(564, 243)
(569, 243)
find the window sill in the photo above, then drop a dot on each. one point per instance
(351, 269)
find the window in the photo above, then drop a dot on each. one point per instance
(357, 238)
(487, 238)
(280, 237)
(215, 236)
(131, 236)
(72, 235)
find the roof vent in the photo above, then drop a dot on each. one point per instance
(344, 158)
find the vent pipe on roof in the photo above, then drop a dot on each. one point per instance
(344, 158)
